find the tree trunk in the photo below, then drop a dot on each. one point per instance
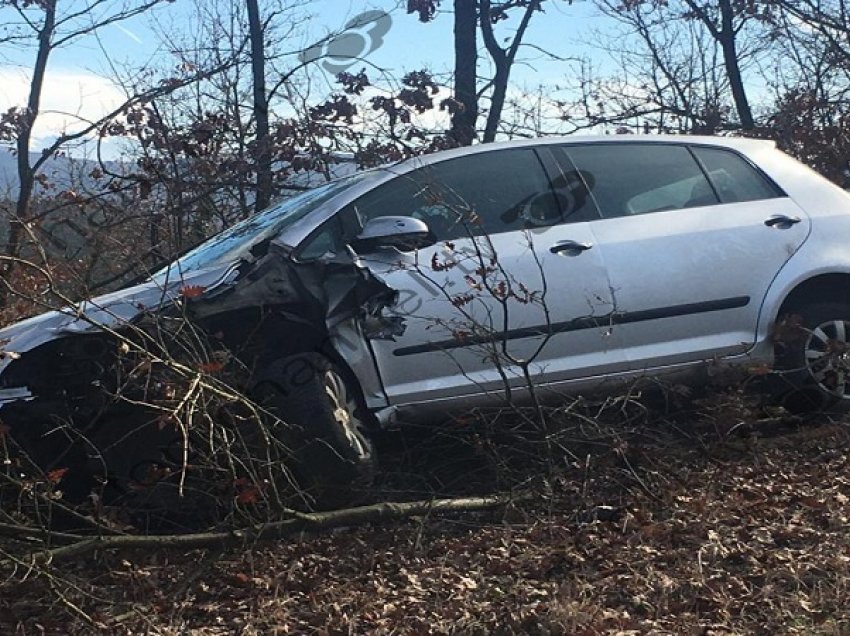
(466, 63)
(497, 102)
(503, 60)
(261, 108)
(733, 69)
(26, 176)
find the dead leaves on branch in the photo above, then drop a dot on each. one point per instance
(192, 291)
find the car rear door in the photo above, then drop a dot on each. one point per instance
(515, 279)
(691, 239)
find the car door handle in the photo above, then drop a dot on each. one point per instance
(782, 221)
(570, 246)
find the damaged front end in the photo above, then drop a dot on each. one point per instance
(153, 383)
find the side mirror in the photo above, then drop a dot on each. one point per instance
(401, 232)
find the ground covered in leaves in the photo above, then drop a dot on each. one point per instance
(721, 527)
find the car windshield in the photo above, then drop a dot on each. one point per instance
(236, 241)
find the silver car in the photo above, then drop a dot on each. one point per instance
(498, 272)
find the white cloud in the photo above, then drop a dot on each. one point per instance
(70, 99)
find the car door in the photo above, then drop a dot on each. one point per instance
(691, 238)
(514, 280)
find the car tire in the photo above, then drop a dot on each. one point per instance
(332, 458)
(813, 358)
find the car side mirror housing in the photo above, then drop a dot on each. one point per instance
(400, 232)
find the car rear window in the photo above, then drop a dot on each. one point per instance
(733, 177)
(629, 179)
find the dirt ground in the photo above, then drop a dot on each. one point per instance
(725, 527)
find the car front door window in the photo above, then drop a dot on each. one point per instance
(497, 191)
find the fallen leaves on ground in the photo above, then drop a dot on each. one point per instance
(711, 536)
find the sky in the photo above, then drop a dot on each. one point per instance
(78, 87)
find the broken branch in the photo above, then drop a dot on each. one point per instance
(300, 522)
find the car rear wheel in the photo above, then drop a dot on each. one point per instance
(332, 458)
(813, 356)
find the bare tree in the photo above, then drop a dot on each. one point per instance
(670, 77)
(467, 94)
(829, 18)
(503, 57)
(810, 116)
(724, 22)
(49, 29)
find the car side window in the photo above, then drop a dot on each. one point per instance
(484, 193)
(628, 179)
(327, 240)
(733, 177)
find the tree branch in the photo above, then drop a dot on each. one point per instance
(300, 522)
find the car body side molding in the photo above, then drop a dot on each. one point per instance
(585, 322)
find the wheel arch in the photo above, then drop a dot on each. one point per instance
(823, 287)
(265, 334)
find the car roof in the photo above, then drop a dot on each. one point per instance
(745, 145)
(737, 143)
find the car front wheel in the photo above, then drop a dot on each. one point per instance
(333, 459)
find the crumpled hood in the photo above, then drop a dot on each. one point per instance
(109, 310)
(327, 292)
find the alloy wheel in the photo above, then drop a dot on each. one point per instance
(344, 406)
(827, 356)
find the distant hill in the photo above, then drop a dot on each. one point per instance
(68, 232)
(60, 171)
(64, 171)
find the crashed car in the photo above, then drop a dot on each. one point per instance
(473, 276)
